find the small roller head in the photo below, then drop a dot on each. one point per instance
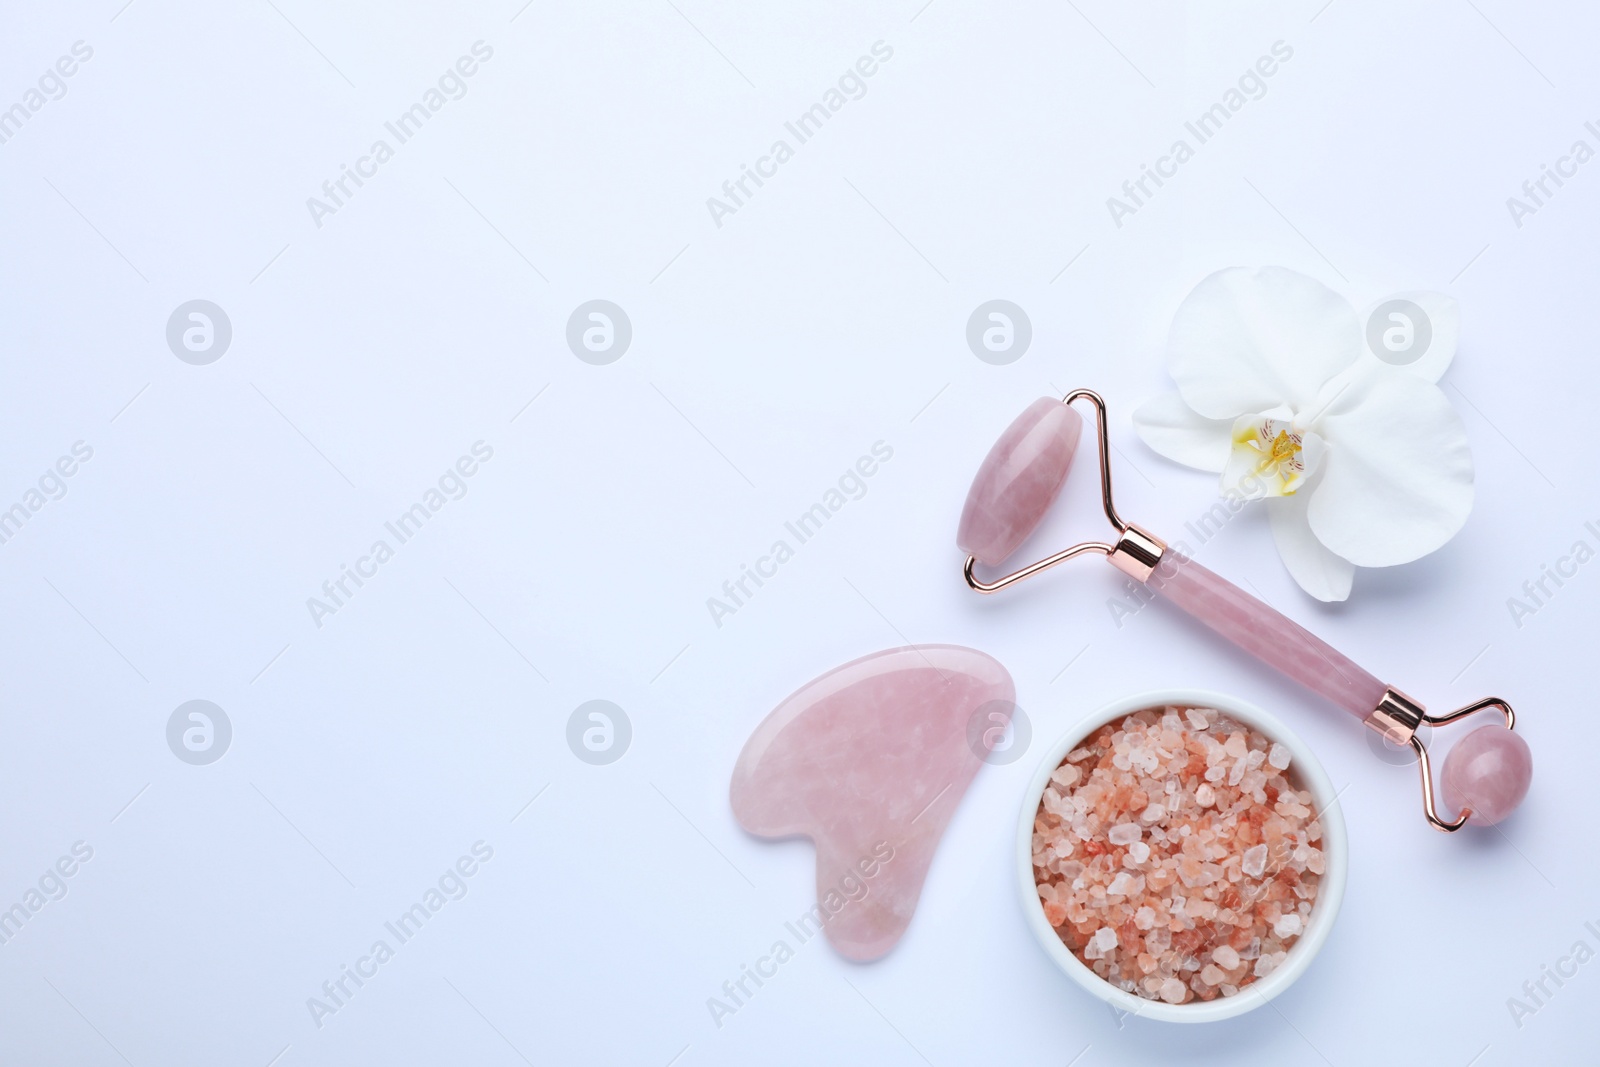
(1488, 771)
(1019, 480)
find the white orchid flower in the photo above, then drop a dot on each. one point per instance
(1334, 420)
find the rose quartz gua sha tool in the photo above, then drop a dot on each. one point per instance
(870, 761)
(1486, 774)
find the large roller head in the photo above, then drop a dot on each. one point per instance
(1019, 480)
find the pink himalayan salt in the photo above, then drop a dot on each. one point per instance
(1201, 899)
(1255, 861)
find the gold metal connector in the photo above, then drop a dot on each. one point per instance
(1138, 552)
(1396, 717)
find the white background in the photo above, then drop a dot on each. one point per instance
(768, 354)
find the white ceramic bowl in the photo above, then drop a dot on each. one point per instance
(1330, 891)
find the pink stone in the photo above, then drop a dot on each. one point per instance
(1488, 771)
(870, 761)
(1270, 636)
(1019, 480)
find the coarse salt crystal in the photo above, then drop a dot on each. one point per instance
(1173, 991)
(1225, 957)
(1287, 925)
(1066, 775)
(1255, 861)
(1124, 833)
(1139, 852)
(1279, 756)
(1197, 718)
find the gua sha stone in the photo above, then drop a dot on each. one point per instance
(870, 761)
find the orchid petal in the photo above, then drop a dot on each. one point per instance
(1172, 428)
(1320, 571)
(1397, 482)
(1420, 338)
(1248, 340)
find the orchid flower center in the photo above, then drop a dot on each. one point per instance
(1284, 450)
(1271, 456)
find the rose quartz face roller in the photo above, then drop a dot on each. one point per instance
(1486, 774)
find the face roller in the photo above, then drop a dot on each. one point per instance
(1486, 774)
